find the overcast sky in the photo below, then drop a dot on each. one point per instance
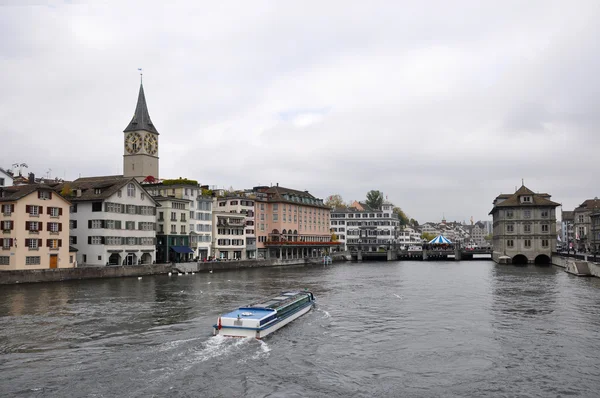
(441, 108)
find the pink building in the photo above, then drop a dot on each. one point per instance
(291, 224)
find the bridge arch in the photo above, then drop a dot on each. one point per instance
(520, 259)
(542, 259)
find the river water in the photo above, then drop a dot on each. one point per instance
(395, 329)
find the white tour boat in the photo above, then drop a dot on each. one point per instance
(260, 319)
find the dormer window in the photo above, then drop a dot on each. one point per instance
(526, 199)
(97, 191)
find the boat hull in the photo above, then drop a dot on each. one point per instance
(260, 333)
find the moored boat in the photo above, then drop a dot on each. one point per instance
(263, 318)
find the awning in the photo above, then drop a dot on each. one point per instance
(181, 249)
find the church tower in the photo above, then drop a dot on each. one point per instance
(140, 155)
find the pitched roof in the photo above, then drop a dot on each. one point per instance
(141, 117)
(568, 216)
(16, 192)
(288, 195)
(589, 204)
(89, 186)
(5, 172)
(537, 199)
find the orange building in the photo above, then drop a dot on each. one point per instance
(291, 224)
(34, 225)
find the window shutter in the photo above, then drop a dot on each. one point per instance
(39, 195)
(12, 208)
(47, 210)
(41, 209)
(27, 242)
(102, 240)
(89, 240)
(50, 194)
(40, 226)
(11, 242)
(26, 225)
(74, 240)
(60, 211)
(105, 206)
(138, 209)
(47, 242)
(89, 224)
(59, 227)
(3, 208)
(28, 209)
(12, 225)
(60, 243)
(74, 224)
(40, 243)
(103, 223)
(48, 226)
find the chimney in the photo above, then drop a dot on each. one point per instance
(31, 178)
(78, 193)
(277, 184)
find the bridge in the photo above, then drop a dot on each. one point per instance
(392, 252)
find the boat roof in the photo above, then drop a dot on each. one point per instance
(249, 313)
(278, 301)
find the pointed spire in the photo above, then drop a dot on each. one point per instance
(141, 118)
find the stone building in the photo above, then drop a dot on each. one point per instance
(229, 235)
(524, 227)
(582, 223)
(567, 228)
(172, 234)
(595, 232)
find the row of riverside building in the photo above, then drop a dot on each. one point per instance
(136, 218)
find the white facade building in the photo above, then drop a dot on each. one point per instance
(367, 226)
(241, 205)
(229, 238)
(112, 221)
(6, 180)
(203, 225)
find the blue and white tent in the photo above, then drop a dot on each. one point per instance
(440, 240)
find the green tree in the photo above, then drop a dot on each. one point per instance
(66, 191)
(488, 237)
(413, 222)
(335, 201)
(427, 236)
(374, 199)
(402, 216)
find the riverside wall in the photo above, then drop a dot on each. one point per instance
(65, 274)
(562, 262)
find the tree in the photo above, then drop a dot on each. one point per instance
(66, 191)
(427, 236)
(488, 237)
(374, 199)
(401, 215)
(335, 201)
(413, 222)
(334, 237)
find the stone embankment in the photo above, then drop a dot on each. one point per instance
(576, 266)
(65, 274)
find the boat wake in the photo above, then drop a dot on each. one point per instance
(325, 313)
(400, 297)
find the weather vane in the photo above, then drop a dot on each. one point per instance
(141, 75)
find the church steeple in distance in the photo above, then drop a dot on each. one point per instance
(140, 157)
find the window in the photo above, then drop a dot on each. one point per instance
(527, 228)
(32, 243)
(53, 227)
(7, 209)
(222, 204)
(173, 216)
(32, 260)
(54, 211)
(173, 229)
(509, 214)
(34, 210)
(96, 206)
(183, 229)
(4, 260)
(510, 228)
(130, 225)
(95, 240)
(545, 213)
(131, 190)
(160, 216)
(526, 213)
(580, 218)
(545, 228)
(262, 206)
(527, 243)
(72, 240)
(53, 243)
(275, 207)
(545, 243)
(183, 217)
(131, 209)
(275, 217)
(119, 193)
(527, 199)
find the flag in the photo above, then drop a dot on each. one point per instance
(558, 238)
(577, 237)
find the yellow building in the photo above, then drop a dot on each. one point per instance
(34, 225)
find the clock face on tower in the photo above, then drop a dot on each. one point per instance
(150, 144)
(133, 143)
